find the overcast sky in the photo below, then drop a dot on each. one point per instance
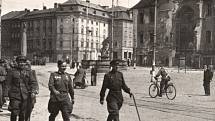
(16, 5)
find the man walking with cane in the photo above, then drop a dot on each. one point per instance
(114, 81)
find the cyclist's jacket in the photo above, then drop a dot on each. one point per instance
(164, 75)
(114, 81)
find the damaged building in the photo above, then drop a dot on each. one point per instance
(185, 32)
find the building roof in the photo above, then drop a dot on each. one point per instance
(42, 11)
(143, 4)
(117, 8)
(14, 15)
(83, 3)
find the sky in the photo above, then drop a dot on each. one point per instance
(17, 5)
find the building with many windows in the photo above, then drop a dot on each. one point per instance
(122, 33)
(185, 32)
(73, 29)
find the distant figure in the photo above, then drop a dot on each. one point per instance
(128, 62)
(80, 76)
(93, 76)
(60, 86)
(208, 75)
(114, 81)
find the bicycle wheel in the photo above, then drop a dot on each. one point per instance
(153, 90)
(171, 92)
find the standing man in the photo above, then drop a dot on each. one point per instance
(60, 86)
(208, 75)
(114, 81)
(93, 75)
(21, 86)
(2, 81)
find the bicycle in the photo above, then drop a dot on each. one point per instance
(170, 90)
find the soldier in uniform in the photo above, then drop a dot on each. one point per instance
(60, 85)
(208, 75)
(2, 81)
(21, 85)
(113, 81)
(164, 79)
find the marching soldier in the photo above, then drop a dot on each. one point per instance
(3, 74)
(113, 81)
(60, 85)
(21, 85)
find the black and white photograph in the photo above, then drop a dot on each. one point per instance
(107, 60)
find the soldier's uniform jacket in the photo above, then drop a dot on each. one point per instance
(61, 82)
(114, 81)
(20, 83)
(3, 74)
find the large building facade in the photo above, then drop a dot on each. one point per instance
(122, 33)
(74, 29)
(185, 31)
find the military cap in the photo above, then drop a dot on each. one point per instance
(21, 58)
(60, 62)
(114, 63)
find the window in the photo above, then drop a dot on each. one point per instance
(97, 45)
(115, 44)
(61, 30)
(141, 38)
(151, 15)
(104, 24)
(92, 22)
(151, 37)
(61, 44)
(87, 44)
(97, 32)
(71, 8)
(94, 11)
(82, 20)
(50, 45)
(141, 18)
(92, 31)
(82, 29)
(82, 43)
(61, 20)
(97, 23)
(209, 9)
(125, 55)
(103, 14)
(208, 37)
(92, 45)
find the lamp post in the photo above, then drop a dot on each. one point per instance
(112, 20)
(87, 29)
(154, 41)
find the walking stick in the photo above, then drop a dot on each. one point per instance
(136, 108)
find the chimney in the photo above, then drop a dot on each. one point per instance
(35, 9)
(44, 7)
(55, 5)
(27, 10)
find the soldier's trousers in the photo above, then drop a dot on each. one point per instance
(55, 107)
(113, 109)
(1, 94)
(207, 88)
(17, 108)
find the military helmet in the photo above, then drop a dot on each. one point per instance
(21, 58)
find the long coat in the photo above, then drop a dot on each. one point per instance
(114, 81)
(80, 75)
(20, 83)
(208, 75)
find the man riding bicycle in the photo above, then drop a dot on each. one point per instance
(164, 79)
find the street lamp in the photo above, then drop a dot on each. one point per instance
(155, 38)
(112, 20)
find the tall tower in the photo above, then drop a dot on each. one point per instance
(24, 40)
